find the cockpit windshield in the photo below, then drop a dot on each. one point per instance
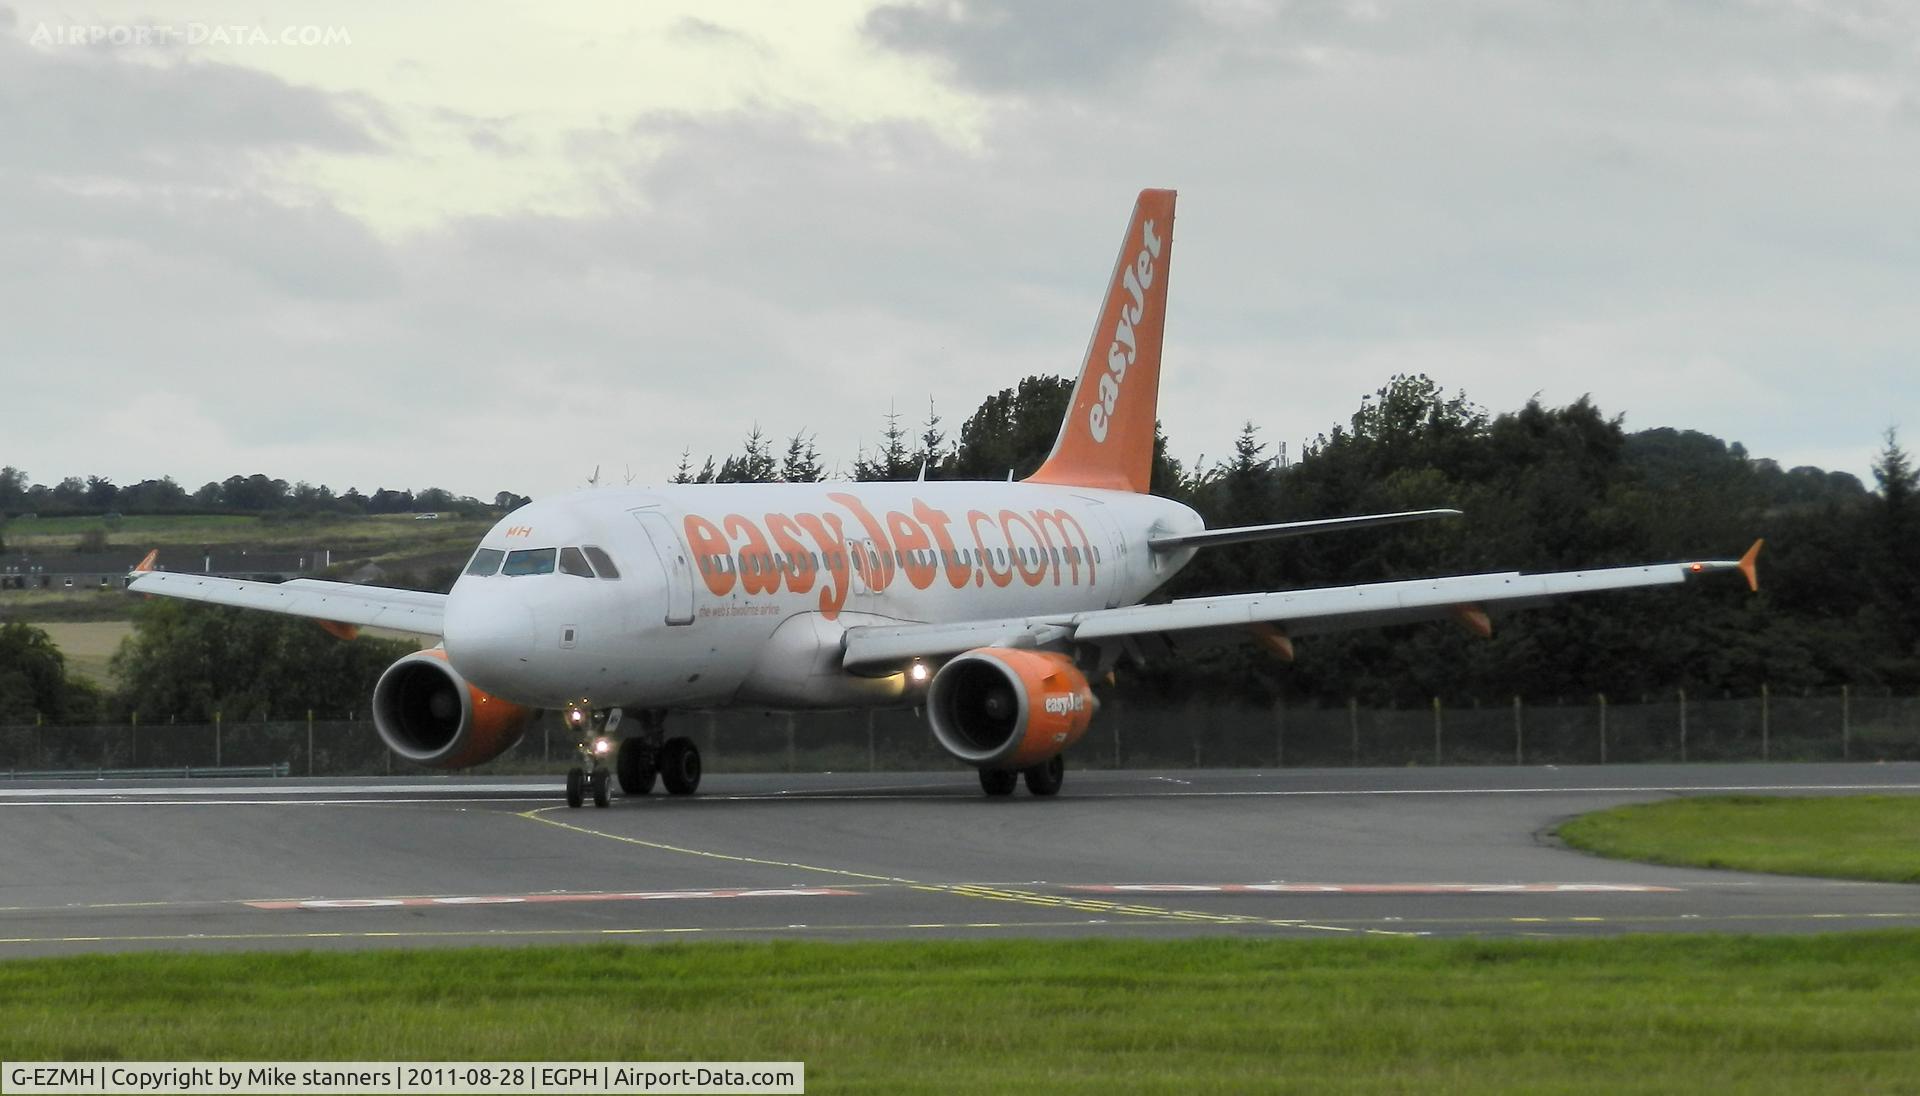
(530, 561)
(485, 562)
(583, 562)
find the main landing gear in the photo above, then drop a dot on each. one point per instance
(638, 760)
(1042, 779)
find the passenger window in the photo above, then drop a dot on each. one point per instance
(573, 563)
(486, 562)
(529, 561)
(602, 562)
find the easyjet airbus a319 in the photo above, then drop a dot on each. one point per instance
(987, 605)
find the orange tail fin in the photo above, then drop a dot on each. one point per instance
(1107, 437)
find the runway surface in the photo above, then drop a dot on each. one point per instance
(92, 866)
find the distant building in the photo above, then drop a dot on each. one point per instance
(104, 570)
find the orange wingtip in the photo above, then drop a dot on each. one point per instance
(1277, 642)
(1474, 619)
(1748, 565)
(146, 564)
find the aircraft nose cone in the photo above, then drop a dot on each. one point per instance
(489, 640)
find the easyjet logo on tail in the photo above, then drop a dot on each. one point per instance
(1106, 439)
(1135, 280)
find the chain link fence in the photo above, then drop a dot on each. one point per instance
(1847, 724)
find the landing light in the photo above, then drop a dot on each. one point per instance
(918, 672)
(602, 747)
(576, 716)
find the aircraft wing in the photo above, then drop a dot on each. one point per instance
(1273, 617)
(335, 603)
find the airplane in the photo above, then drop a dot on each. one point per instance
(991, 606)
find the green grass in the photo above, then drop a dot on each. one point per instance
(1874, 837)
(89, 646)
(382, 532)
(76, 605)
(1646, 1014)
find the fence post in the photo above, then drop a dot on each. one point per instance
(1603, 728)
(1353, 726)
(1519, 735)
(1765, 720)
(133, 722)
(1279, 734)
(1436, 731)
(216, 740)
(1683, 726)
(309, 741)
(1846, 722)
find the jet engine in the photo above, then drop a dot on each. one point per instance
(430, 715)
(998, 708)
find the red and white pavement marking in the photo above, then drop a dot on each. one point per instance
(1374, 888)
(530, 899)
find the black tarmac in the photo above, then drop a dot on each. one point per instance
(141, 865)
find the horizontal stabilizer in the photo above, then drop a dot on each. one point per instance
(1207, 538)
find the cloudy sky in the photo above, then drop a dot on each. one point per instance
(490, 245)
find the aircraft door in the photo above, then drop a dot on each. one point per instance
(1113, 562)
(673, 562)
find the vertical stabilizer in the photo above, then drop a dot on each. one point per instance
(1107, 437)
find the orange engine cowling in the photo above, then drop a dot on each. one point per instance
(1007, 709)
(430, 715)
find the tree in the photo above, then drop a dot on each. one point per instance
(189, 660)
(684, 474)
(933, 455)
(1894, 567)
(34, 681)
(1013, 430)
(802, 463)
(755, 465)
(892, 461)
(13, 488)
(507, 501)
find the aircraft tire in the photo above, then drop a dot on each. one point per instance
(602, 795)
(636, 775)
(680, 766)
(999, 781)
(1046, 777)
(576, 786)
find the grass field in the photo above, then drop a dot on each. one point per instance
(88, 646)
(395, 542)
(1647, 1014)
(1843, 837)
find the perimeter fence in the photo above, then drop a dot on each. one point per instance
(1840, 725)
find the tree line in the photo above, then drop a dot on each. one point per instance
(254, 494)
(1543, 488)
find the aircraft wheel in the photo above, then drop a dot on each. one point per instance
(999, 781)
(636, 769)
(576, 786)
(680, 766)
(1046, 777)
(601, 793)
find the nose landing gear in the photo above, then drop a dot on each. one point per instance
(637, 761)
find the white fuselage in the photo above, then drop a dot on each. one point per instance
(740, 593)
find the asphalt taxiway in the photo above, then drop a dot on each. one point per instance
(96, 866)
